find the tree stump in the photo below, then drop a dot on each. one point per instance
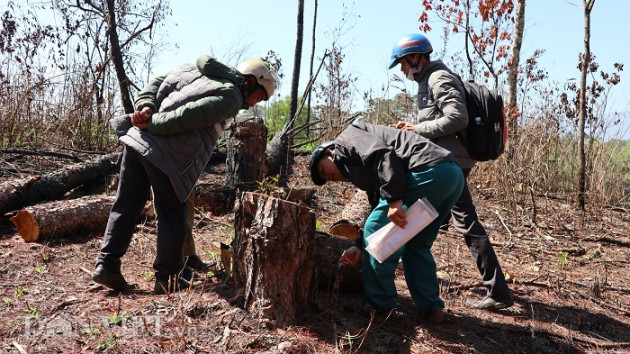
(216, 199)
(273, 257)
(246, 152)
(326, 252)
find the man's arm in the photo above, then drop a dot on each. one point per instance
(147, 96)
(201, 113)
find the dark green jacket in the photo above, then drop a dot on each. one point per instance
(191, 105)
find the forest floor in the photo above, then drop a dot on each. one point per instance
(568, 273)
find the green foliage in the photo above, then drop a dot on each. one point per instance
(106, 344)
(214, 255)
(92, 332)
(40, 271)
(277, 116)
(318, 226)
(33, 312)
(19, 291)
(267, 186)
(117, 319)
(7, 301)
(562, 259)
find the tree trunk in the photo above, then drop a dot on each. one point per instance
(246, 153)
(512, 83)
(293, 111)
(310, 74)
(55, 185)
(584, 65)
(273, 257)
(116, 52)
(62, 218)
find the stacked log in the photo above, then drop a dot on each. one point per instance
(62, 218)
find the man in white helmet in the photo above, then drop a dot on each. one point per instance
(167, 143)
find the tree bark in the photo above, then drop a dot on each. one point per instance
(326, 252)
(63, 218)
(512, 83)
(273, 257)
(584, 66)
(116, 52)
(55, 185)
(310, 74)
(12, 192)
(246, 153)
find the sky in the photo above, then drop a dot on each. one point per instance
(369, 32)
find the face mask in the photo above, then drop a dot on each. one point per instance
(412, 73)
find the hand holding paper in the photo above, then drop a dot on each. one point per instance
(384, 242)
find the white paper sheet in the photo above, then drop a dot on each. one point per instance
(384, 242)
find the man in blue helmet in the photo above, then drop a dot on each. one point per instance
(441, 115)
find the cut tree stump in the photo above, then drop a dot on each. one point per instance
(55, 185)
(246, 152)
(63, 218)
(326, 251)
(273, 257)
(216, 199)
(353, 216)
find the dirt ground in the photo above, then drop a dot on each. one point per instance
(568, 273)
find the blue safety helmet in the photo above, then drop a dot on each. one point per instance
(317, 155)
(411, 43)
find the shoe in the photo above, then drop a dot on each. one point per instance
(189, 275)
(194, 262)
(173, 284)
(435, 316)
(112, 280)
(488, 303)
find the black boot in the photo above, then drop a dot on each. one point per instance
(194, 262)
(111, 279)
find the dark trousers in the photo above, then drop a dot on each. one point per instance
(465, 220)
(137, 176)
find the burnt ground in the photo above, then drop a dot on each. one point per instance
(568, 273)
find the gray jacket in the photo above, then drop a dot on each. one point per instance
(192, 105)
(442, 110)
(377, 158)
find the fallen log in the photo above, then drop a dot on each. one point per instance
(63, 218)
(11, 192)
(54, 186)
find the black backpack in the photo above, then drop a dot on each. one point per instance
(486, 132)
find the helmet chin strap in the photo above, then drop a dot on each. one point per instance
(413, 67)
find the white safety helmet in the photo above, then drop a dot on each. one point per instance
(264, 74)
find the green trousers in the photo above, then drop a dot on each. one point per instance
(441, 185)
